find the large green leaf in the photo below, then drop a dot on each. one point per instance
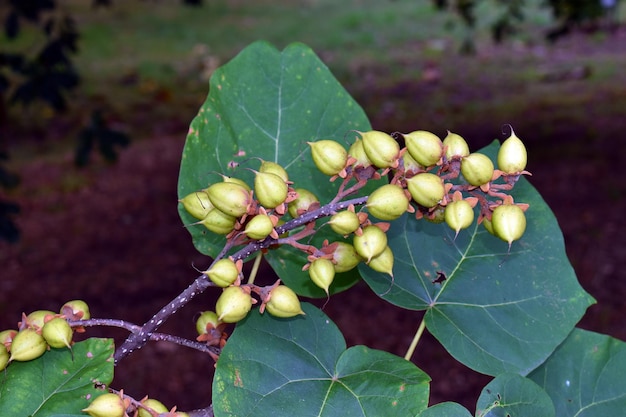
(513, 395)
(585, 376)
(268, 104)
(300, 367)
(496, 311)
(59, 383)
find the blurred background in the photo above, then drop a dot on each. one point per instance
(96, 98)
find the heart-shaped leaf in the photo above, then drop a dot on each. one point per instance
(513, 395)
(267, 104)
(58, 383)
(300, 367)
(446, 409)
(493, 310)
(585, 376)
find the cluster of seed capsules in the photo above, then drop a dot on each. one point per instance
(437, 180)
(39, 331)
(112, 404)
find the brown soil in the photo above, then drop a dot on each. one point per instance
(111, 235)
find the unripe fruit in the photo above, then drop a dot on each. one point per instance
(509, 222)
(302, 203)
(345, 257)
(6, 336)
(27, 345)
(383, 262)
(380, 148)
(230, 198)
(425, 147)
(489, 226)
(106, 405)
(233, 305)
(283, 303)
(426, 189)
(219, 222)
(344, 222)
(372, 242)
(459, 215)
(259, 227)
(197, 204)
(223, 272)
(512, 156)
(270, 189)
(57, 333)
(456, 146)
(274, 168)
(77, 309)
(410, 164)
(477, 169)
(4, 357)
(357, 152)
(156, 406)
(322, 273)
(236, 181)
(437, 215)
(329, 156)
(206, 318)
(37, 318)
(388, 202)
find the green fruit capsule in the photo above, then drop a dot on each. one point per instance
(426, 189)
(388, 202)
(259, 227)
(274, 168)
(27, 345)
(106, 405)
(425, 147)
(236, 181)
(36, 319)
(283, 303)
(509, 222)
(456, 146)
(302, 203)
(219, 222)
(6, 337)
(329, 156)
(512, 156)
(76, 310)
(322, 273)
(477, 169)
(383, 262)
(156, 406)
(357, 152)
(410, 164)
(230, 198)
(4, 357)
(207, 318)
(371, 243)
(270, 189)
(197, 204)
(345, 257)
(380, 148)
(344, 222)
(223, 272)
(459, 215)
(233, 305)
(57, 333)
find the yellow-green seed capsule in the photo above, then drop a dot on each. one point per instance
(344, 222)
(283, 303)
(270, 189)
(223, 272)
(345, 257)
(426, 189)
(477, 169)
(259, 227)
(274, 168)
(233, 305)
(372, 242)
(57, 333)
(4, 357)
(230, 198)
(302, 203)
(206, 318)
(322, 273)
(76, 310)
(380, 148)
(27, 345)
(197, 204)
(329, 156)
(358, 152)
(106, 405)
(37, 318)
(219, 222)
(459, 215)
(425, 147)
(383, 262)
(156, 406)
(456, 146)
(512, 156)
(509, 222)
(388, 202)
